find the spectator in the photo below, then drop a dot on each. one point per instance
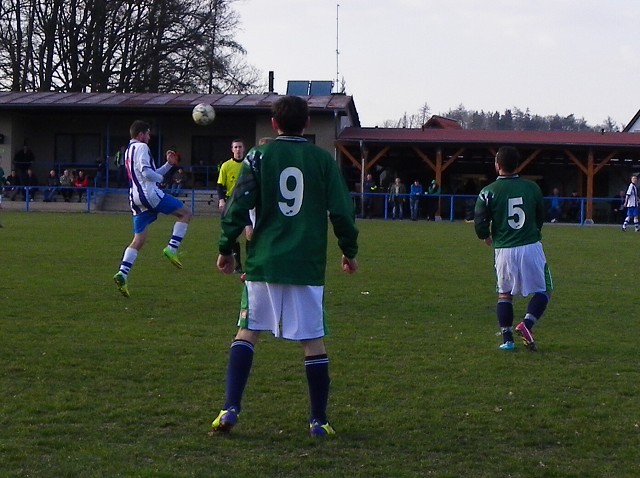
(617, 207)
(555, 211)
(22, 162)
(121, 169)
(397, 192)
(368, 188)
(81, 184)
(433, 198)
(469, 189)
(101, 172)
(385, 178)
(178, 181)
(32, 184)
(12, 184)
(415, 194)
(67, 182)
(573, 208)
(3, 180)
(52, 187)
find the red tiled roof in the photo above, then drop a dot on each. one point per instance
(441, 122)
(489, 137)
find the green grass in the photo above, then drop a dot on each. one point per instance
(95, 385)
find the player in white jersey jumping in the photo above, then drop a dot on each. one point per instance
(631, 203)
(147, 200)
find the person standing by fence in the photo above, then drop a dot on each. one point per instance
(415, 194)
(397, 192)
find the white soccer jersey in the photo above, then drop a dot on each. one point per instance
(144, 193)
(632, 196)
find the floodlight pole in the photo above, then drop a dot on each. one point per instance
(337, 46)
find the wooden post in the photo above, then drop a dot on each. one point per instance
(590, 173)
(438, 215)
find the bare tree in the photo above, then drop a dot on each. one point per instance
(123, 46)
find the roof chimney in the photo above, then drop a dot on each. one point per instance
(271, 82)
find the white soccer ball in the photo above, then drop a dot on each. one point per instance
(203, 114)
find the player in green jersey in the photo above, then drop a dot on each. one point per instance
(509, 215)
(292, 184)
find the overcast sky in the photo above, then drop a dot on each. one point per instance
(578, 57)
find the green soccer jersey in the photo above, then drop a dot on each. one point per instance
(292, 185)
(511, 211)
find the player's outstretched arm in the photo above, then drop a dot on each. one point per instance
(226, 264)
(349, 265)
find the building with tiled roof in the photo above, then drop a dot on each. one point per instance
(73, 129)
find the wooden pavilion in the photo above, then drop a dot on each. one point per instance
(592, 164)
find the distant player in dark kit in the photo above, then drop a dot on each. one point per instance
(509, 215)
(292, 184)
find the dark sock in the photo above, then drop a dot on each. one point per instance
(504, 311)
(240, 361)
(535, 309)
(317, 369)
(236, 255)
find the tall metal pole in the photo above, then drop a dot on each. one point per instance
(337, 48)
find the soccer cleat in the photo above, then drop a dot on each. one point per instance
(317, 429)
(172, 256)
(508, 346)
(527, 337)
(225, 420)
(121, 281)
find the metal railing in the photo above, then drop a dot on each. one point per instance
(453, 207)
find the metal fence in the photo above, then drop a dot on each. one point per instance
(453, 207)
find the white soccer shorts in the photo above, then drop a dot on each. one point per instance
(294, 312)
(522, 270)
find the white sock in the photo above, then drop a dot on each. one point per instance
(179, 231)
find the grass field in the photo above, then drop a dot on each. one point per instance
(95, 385)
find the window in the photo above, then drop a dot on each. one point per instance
(77, 149)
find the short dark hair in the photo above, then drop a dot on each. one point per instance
(137, 127)
(508, 159)
(291, 114)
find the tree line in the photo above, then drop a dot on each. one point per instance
(513, 119)
(123, 46)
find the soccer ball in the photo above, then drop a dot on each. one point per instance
(203, 114)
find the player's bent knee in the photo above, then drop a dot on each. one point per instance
(247, 335)
(546, 294)
(183, 214)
